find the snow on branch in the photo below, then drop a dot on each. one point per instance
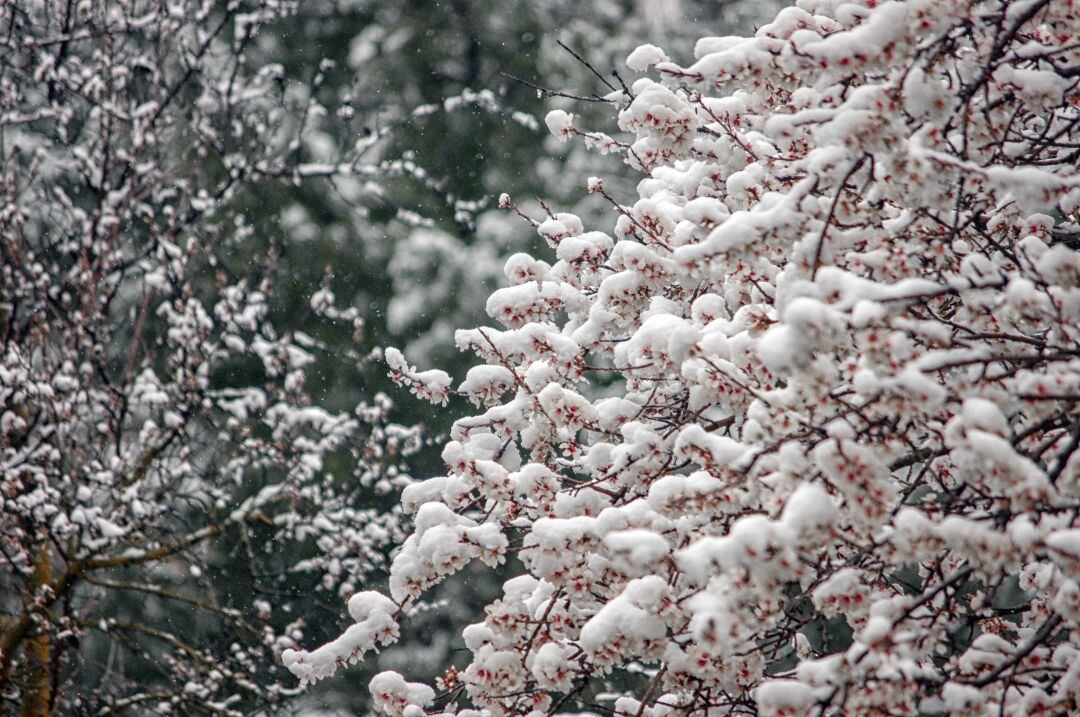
(432, 385)
(797, 433)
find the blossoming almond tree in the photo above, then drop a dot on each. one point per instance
(800, 435)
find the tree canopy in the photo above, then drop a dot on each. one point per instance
(798, 434)
(768, 407)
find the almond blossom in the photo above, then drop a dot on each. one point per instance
(796, 434)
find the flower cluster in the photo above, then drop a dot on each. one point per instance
(799, 435)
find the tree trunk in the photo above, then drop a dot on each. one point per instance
(37, 671)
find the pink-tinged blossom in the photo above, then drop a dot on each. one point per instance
(796, 434)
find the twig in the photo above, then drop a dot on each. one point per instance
(652, 688)
(554, 93)
(585, 62)
(832, 213)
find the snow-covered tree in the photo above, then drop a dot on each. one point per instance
(798, 436)
(172, 499)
